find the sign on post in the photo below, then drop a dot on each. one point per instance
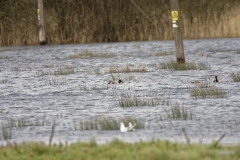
(176, 25)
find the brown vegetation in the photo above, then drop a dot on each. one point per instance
(87, 21)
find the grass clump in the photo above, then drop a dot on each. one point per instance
(127, 69)
(3, 81)
(176, 112)
(6, 132)
(56, 82)
(164, 53)
(141, 100)
(235, 76)
(183, 66)
(4, 57)
(90, 87)
(108, 123)
(62, 71)
(88, 54)
(211, 92)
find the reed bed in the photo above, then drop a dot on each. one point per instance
(84, 21)
(211, 92)
(235, 76)
(183, 66)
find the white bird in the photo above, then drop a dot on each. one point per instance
(126, 129)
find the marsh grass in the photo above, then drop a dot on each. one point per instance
(56, 82)
(57, 72)
(210, 92)
(151, 150)
(88, 54)
(127, 69)
(4, 57)
(21, 123)
(124, 77)
(183, 66)
(6, 132)
(177, 112)
(47, 66)
(93, 70)
(16, 69)
(90, 87)
(108, 123)
(3, 81)
(164, 53)
(137, 100)
(235, 76)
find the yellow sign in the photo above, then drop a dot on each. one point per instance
(174, 15)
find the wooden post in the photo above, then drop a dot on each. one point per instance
(42, 37)
(176, 24)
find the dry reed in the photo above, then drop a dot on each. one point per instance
(85, 21)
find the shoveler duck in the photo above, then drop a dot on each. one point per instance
(215, 79)
(113, 82)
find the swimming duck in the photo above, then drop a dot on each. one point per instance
(215, 79)
(196, 82)
(113, 82)
(126, 129)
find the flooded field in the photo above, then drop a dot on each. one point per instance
(68, 86)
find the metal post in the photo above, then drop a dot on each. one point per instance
(176, 24)
(42, 37)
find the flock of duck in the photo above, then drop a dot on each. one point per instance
(131, 127)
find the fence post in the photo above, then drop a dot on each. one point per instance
(42, 37)
(176, 24)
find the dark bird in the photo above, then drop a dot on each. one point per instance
(215, 79)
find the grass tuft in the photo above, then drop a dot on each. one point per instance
(88, 54)
(148, 99)
(6, 132)
(183, 66)
(178, 113)
(235, 76)
(164, 53)
(62, 71)
(211, 92)
(108, 123)
(127, 69)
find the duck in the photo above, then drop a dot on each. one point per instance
(127, 129)
(215, 79)
(113, 82)
(196, 82)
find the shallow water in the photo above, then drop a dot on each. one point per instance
(26, 95)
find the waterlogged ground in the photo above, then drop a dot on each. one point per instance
(30, 102)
